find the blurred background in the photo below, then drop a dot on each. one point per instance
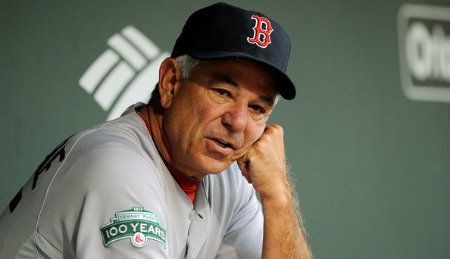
(368, 136)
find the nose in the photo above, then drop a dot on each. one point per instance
(236, 118)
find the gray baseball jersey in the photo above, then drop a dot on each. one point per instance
(106, 193)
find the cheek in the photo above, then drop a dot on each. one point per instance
(178, 126)
(190, 125)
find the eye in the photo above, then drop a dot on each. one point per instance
(222, 92)
(258, 109)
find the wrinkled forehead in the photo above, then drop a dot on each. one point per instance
(230, 69)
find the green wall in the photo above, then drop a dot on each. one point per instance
(372, 166)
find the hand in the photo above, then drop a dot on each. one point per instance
(264, 164)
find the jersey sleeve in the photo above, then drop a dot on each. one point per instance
(106, 202)
(244, 235)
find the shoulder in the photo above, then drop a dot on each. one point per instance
(109, 161)
(111, 148)
(116, 154)
(107, 170)
(107, 165)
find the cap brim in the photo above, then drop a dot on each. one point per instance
(285, 86)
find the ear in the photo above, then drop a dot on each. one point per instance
(169, 81)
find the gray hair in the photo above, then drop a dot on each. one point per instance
(186, 63)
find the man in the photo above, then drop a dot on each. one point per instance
(176, 178)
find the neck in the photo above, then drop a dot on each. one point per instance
(157, 132)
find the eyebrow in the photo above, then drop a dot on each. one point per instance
(221, 78)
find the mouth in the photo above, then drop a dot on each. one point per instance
(222, 143)
(220, 148)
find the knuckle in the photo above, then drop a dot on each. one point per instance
(275, 127)
(275, 130)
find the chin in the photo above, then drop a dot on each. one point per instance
(213, 166)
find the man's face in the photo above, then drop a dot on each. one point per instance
(217, 114)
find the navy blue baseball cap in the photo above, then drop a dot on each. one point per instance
(225, 31)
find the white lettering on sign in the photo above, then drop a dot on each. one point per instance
(428, 54)
(424, 50)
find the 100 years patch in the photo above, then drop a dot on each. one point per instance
(137, 224)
